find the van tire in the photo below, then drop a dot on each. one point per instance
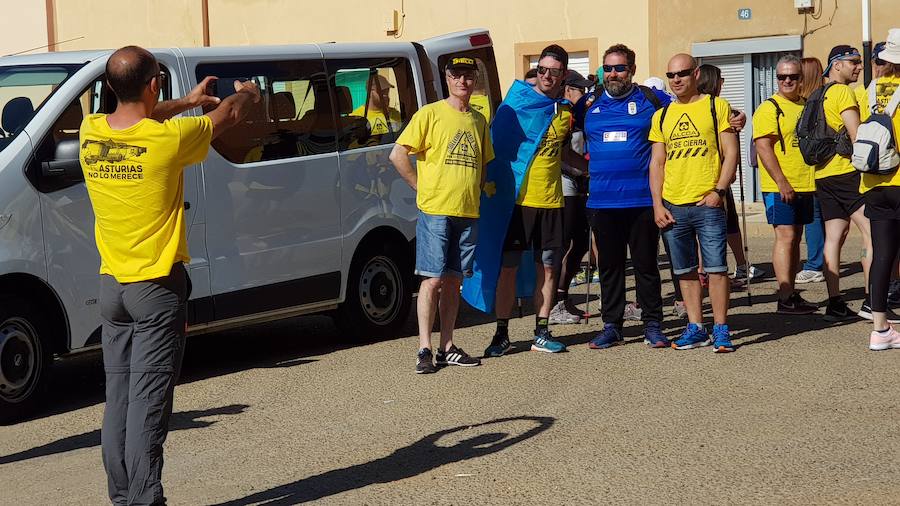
(379, 293)
(25, 360)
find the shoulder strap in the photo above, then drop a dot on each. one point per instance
(650, 95)
(662, 117)
(873, 99)
(715, 118)
(778, 112)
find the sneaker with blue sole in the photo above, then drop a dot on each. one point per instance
(499, 346)
(610, 336)
(694, 336)
(543, 341)
(721, 339)
(653, 336)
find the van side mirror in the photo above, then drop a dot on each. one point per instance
(65, 163)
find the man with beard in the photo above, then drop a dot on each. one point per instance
(620, 208)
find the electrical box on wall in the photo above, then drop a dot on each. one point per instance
(391, 22)
(803, 4)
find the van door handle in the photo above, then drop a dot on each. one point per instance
(187, 205)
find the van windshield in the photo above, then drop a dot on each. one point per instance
(23, 89)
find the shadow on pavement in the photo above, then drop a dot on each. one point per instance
(420, 457)
(183, 420)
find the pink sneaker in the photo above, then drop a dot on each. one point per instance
(879, 341)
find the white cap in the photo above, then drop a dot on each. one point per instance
(656, 83)
(891, 51)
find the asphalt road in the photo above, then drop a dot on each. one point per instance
(289, 412)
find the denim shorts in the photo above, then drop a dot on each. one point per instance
(798, 212)
(445, 245)
(694, 224)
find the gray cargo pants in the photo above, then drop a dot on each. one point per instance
(143, 344)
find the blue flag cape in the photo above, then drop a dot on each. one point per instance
(516, 132)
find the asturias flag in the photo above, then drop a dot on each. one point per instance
(516, 132)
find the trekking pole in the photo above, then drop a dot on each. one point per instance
(740, 169)
(587, 277)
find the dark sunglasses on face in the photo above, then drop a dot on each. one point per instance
(468, 75)
(161, 78)
(553, 72)
(784, 77)
(618, 68)
(680, 73)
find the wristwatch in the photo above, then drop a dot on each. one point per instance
(720, 192)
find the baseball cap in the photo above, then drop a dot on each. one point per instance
(462, 63)
(891, 51)
(839, 53)
(576, 80)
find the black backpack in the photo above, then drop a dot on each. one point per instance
(818, 141)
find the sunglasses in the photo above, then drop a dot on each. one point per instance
(456, 75)
(618, 68)
(784, 77)
(553, 72)
(160, 78)
(680, 73)
(852, 61)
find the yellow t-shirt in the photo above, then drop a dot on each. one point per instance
(482, 104)
(135, 181)
(378, 124)
(801, 176)
(693, 163)
(451, 149)
(542, 184)
(838, 99)
(884, 90)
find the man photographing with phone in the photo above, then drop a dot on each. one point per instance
(138, 202)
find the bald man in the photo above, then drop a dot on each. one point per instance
(140, 232)
(693, 161)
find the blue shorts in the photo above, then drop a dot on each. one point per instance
(445, 245)
(693, 224)
(800, 212)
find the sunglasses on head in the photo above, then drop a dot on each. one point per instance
(784, 77)
(553, 72)
(680, 73)
(618, 68)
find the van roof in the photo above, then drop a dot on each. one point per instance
(55, 57)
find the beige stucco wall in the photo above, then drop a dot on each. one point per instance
(115, 23)
(23, 25)
(509, 21)
(159, 23)
(674, 26)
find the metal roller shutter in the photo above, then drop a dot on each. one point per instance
(736, 91)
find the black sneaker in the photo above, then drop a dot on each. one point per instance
(455, 356)
(865, 311)
(837, 311)
(795, 304)
(499, 346)
(425, 365)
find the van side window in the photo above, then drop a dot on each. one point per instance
(486, 97)
(295, 117)
(375, 99)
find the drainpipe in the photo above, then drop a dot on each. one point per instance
(204, 14)
(867, 41)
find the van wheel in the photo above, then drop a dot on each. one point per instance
(379, 293)
(24, 360)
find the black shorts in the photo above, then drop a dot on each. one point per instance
(731, 214)
(537, 228)
(883, 203)
(839, 196)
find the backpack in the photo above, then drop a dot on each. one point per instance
(875, 149)
(818, 141)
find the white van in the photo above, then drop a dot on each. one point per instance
(297, 210)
